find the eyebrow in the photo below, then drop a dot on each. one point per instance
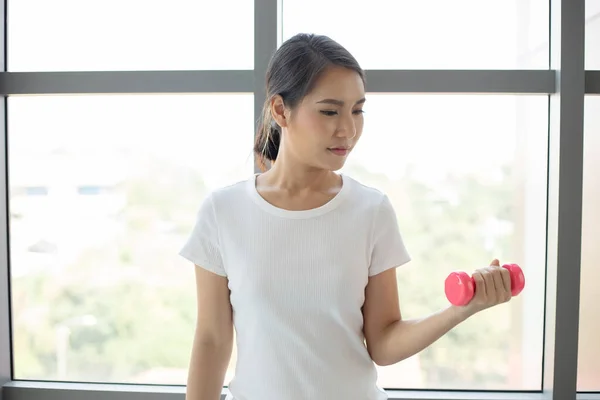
(339, 102)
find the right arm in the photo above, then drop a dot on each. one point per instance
(213, 338)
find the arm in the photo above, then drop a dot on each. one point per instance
(213, 339)
(391, 339)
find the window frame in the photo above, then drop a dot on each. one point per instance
(566, 83)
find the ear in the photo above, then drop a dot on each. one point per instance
(278, 111)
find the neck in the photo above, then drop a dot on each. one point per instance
(298, 178)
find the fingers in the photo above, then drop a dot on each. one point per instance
(501, 280)
(484, 289)
(492, 285)
(496, 274)
(490, 289)
(505, 274)
(480, 289)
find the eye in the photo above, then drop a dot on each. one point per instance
(333, 113)
(329, 113)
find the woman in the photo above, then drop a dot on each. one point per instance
(301, 259)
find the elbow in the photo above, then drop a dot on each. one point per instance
(213, 341)
(383, 346)
(387, 348)
(380, 357)
(213, 337)
(385, 360)
(382, 362)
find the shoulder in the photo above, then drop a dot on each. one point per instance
(371, 202)
(367, 196)
(233, 192)
(226, 197)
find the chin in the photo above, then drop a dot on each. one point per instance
(330, 163)
(335, 166)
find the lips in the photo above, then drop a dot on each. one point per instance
(339, 151)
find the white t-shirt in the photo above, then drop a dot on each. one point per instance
(297, 282)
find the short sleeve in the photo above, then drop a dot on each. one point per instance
(388, 249)
(202, 246)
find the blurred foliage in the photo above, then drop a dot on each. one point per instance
(144, 304)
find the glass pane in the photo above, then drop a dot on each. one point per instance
(592, 34)
(434, 34)
(75, 35)
(467, 176)
(589, 323)
(101, 193)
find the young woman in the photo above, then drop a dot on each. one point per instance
(301, 259)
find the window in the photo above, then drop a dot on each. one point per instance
(592, 34)
(589, 324)
(100, 35)
(124, 179)
(98, 292)
(429, 34)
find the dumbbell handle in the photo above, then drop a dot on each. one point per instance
(460, 286)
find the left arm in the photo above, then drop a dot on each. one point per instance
(391, 339)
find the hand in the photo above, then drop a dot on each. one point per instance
(492, 287)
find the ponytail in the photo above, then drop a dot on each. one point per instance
(268, 137)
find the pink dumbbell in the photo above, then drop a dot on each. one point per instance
(460, 287)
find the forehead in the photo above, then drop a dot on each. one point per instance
(339, 83)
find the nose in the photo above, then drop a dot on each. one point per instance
(347, 127)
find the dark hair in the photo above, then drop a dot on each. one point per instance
(292, 72)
